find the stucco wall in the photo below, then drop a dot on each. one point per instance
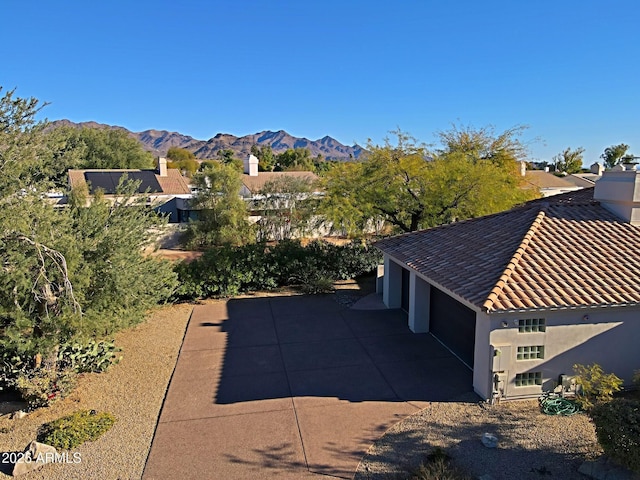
(482, 364)
(607, 336)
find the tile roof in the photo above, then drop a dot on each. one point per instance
(255, 183)
(584, 180)
(173, 184)
(542, 179)
(565, 251)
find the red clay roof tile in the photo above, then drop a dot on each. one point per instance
(566, 251)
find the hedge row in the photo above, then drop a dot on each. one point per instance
(227, 271)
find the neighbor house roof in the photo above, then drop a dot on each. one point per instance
(583, 180)
(542, 179)
(171, 184)
(257, 182)
(565, 251)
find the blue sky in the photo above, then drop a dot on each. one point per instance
(350, 69)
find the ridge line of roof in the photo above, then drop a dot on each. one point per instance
(513, 262)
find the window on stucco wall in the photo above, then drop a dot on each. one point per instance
(530, 325)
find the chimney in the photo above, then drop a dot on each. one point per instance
(162, 166)
(523, 168)
(251, 166)
(597, 169)
(619, 192)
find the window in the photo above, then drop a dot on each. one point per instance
(530, 353)
(528, 379)
(527, 325)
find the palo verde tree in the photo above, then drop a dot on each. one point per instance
(222, 213)
(410, 187)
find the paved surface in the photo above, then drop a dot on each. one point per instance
(293, 388)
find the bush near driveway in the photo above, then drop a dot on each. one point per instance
(226, 271)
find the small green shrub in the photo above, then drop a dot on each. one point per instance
(89, 357)
(595, 385)
(13, 365)
(82, 426)
(618, 431)
(317, 283)
(42, 386)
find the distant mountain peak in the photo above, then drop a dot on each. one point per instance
(158, 142)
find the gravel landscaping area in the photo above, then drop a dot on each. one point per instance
(132, 390)
(531, 445)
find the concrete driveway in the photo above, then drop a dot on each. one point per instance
(293, 388)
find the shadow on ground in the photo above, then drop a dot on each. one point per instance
(311, 346)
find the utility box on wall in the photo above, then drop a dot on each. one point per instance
(500, 357)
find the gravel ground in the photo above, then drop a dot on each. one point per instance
(132, 390)
(531, 445)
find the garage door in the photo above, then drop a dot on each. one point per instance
(453, 324)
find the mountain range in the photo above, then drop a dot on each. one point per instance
(158, 142)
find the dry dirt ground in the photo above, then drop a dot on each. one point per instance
(132, 390)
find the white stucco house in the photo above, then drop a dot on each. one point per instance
(523, 295)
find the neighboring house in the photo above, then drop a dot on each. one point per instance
(523, 295)
(166, 190)
(546, 182)
(272, 201)
(586, 180)
(253, 181)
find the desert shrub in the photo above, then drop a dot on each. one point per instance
(73, 430)
(13, 365)
(227, 270)
(88, 357)
(618, 430)
(41, 386)
(316, 283)
(438, 466)
(355, 259)
(595, 386)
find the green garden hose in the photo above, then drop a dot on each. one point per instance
(558, 406)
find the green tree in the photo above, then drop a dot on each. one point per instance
(223, 216)
(614, 155)
(484, 143)
(345, 211)
(294, 159)
(265, 156)
(103, 147)
(569, 161)
(177, 154)
(410, 188)
(67, 273)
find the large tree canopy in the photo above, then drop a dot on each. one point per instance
(473, 174)
(66, 272)
(104, 147)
